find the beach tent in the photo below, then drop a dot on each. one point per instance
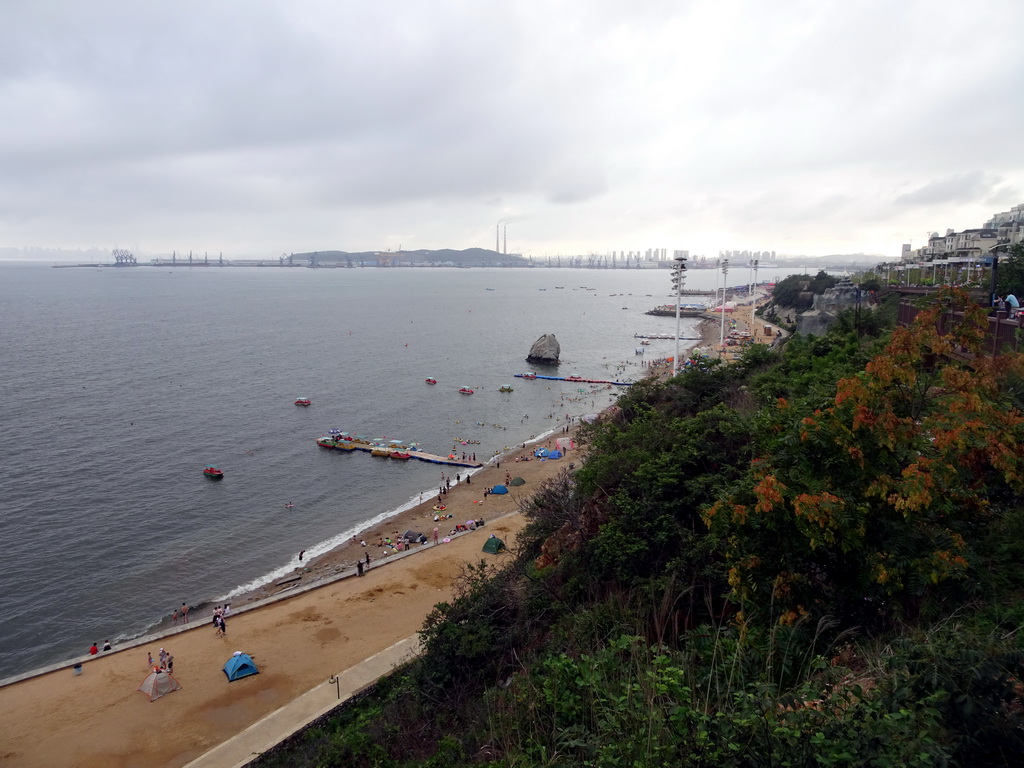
(240, 665)
(493, 545)
(517, 481)
(499, 489)
(564, 442)
(541, 453)
(419, 538)
(158, 683)
(554, 454)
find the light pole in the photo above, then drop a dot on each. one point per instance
(721, 307)
(679, 278)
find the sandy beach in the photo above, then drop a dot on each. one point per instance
(301, 629)
(99, 718)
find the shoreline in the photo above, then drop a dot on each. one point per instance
(414, 515)
(328, 622)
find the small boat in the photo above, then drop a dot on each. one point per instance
(380, 452)
(465, 391)
(303, 401)
(505, 388)
(530, 375)
(400, 456)
(326, 442)
(490, 289)
(213, 473)
(431, 380)
(646, 342)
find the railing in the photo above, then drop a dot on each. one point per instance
(1003, 334)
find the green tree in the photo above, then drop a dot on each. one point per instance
(874, 500)
(1011, 272)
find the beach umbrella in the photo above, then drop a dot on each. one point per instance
(517, 481)
(335, 432)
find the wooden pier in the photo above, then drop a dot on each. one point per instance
(385, 452)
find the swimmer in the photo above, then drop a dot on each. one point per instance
(289, 505)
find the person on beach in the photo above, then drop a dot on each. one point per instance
(163, 658)
(367, 559)
(106, 645)
(184, 612)
(93, 649)
(149, 659)
(174, 616)
(170, 663)
(301, 554)
(359, 568)
(435, 534)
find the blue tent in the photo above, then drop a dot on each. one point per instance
(240, 665)
(541, 453)
(499, 489)
(554, 454)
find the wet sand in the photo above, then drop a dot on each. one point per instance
(98, 718)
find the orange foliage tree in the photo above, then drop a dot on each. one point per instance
(870, 502)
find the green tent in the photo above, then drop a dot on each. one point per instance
(493, 545)
(517, 481)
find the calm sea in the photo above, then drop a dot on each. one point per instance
(120, 385)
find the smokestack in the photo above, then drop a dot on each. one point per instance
(504, 248)
(497, 238)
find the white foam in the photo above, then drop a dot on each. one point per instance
(322, 548)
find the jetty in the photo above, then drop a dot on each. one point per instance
(386, 452)
(573, 379)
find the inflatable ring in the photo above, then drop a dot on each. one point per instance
(440, 507)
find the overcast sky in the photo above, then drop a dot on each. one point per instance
(260, 127)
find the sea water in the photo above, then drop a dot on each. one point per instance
(120, 385)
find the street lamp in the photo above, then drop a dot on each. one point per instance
(678, 279)
(721, 307)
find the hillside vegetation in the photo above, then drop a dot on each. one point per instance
(812, 557)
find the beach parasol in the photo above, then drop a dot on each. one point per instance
(335, 432)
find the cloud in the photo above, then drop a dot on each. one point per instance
(594, 125)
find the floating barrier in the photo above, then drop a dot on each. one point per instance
(574, 379)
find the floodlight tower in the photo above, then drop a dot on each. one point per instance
(721, 307)
(678, 279)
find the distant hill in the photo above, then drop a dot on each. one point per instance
(470, 257)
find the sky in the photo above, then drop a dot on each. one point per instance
(254, 128)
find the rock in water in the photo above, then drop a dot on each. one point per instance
(545, 350)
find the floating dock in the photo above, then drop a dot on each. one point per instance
(349, 445)
(574, 380)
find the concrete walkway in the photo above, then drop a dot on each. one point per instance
(246, 746)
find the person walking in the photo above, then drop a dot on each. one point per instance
(435, 534)
(184, 612)
(359, 568)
